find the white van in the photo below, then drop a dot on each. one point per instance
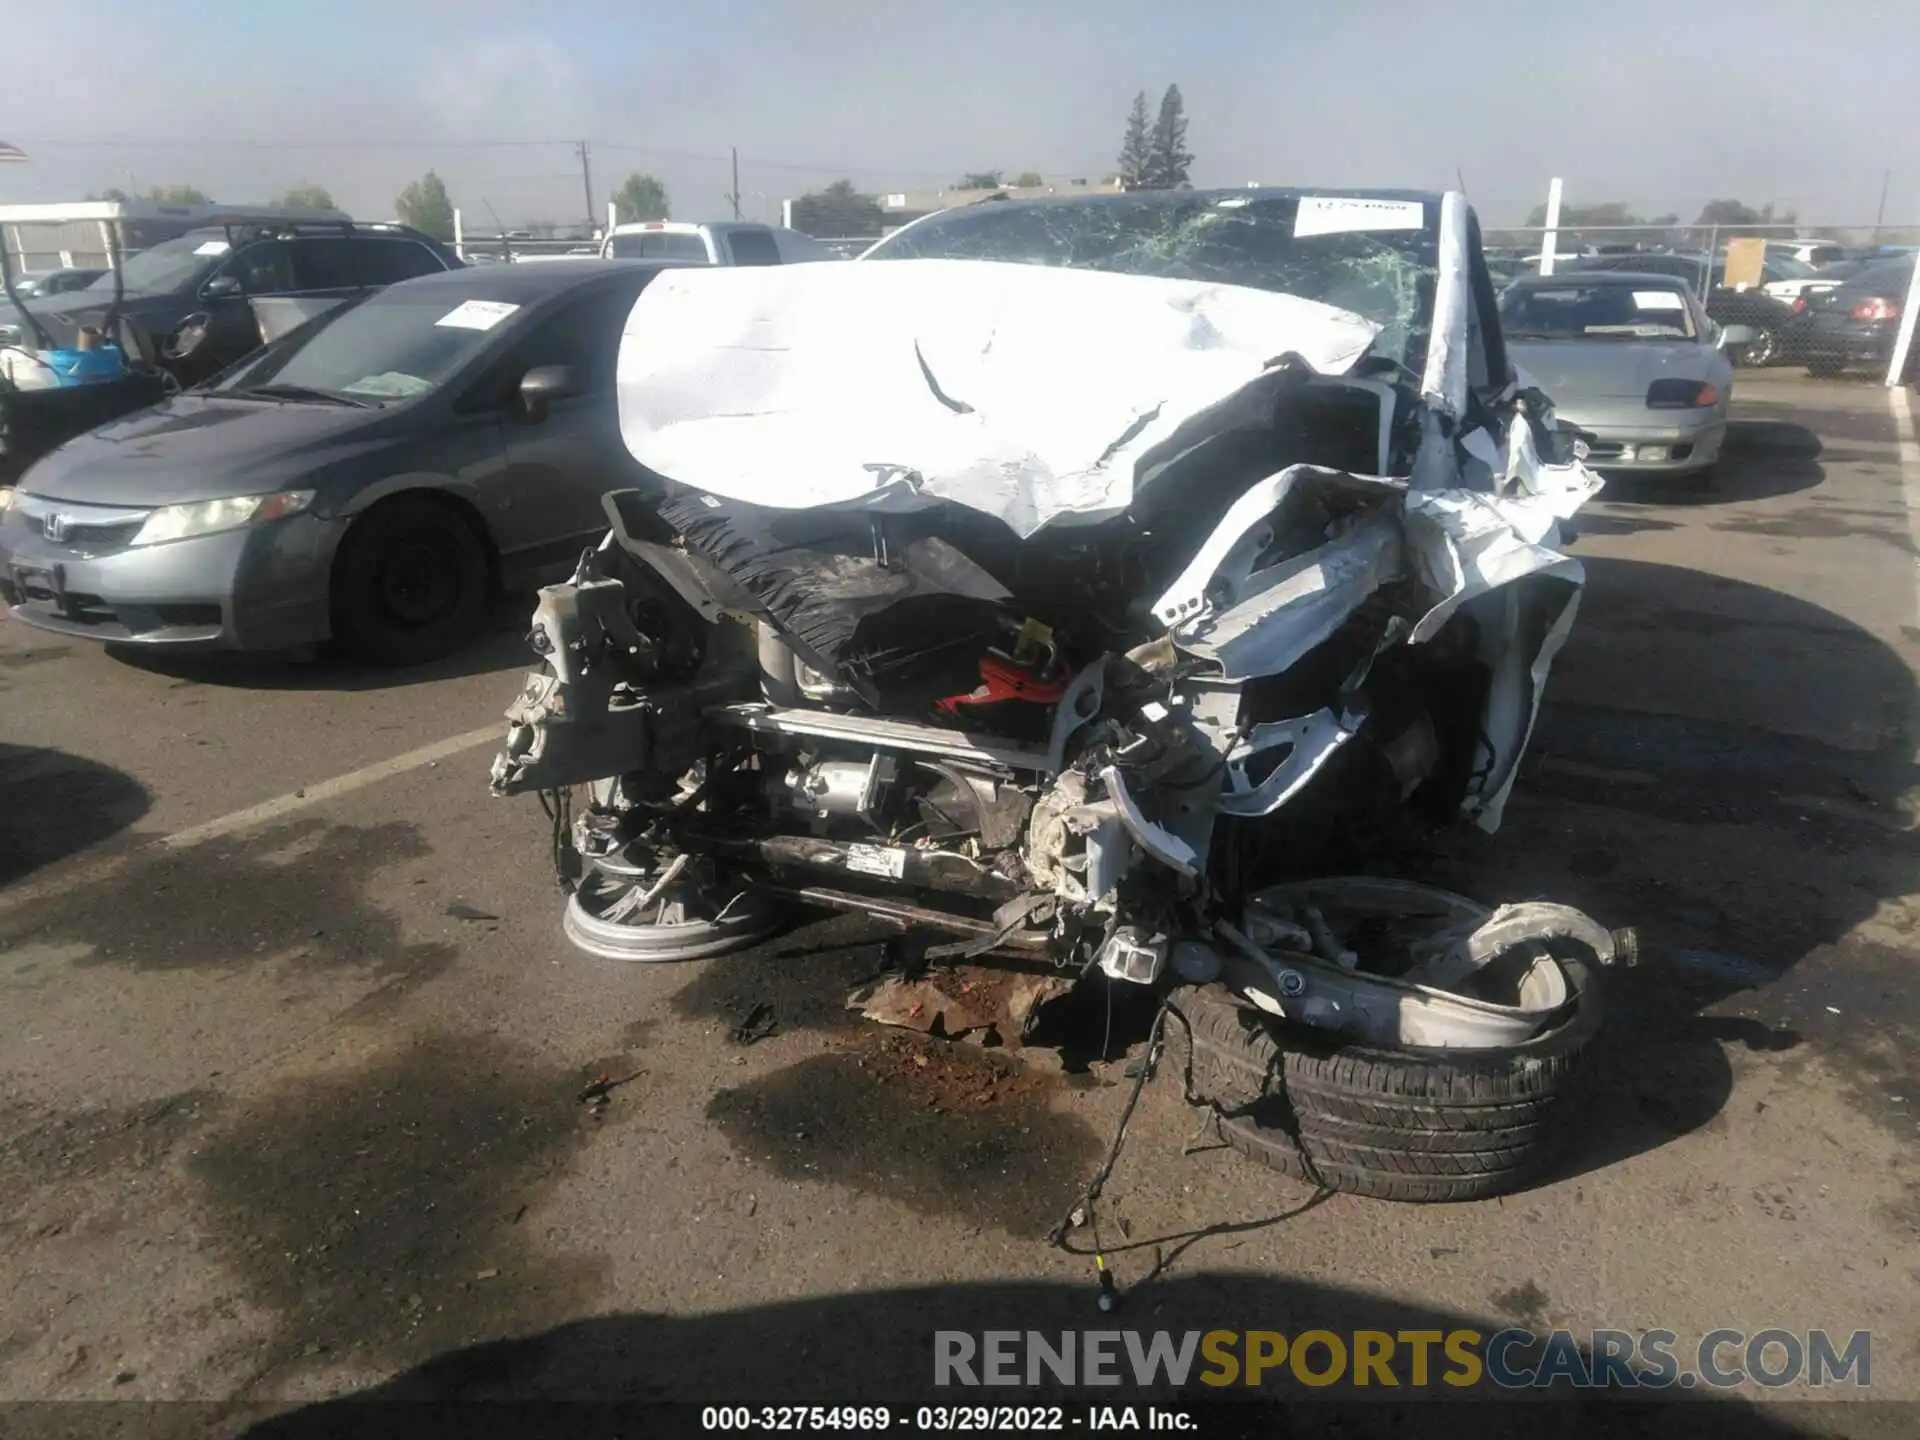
(727, 242)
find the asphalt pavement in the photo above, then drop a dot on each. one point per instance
(298, 1077)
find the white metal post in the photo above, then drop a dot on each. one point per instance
(1903, 342)
(786, 214)
(613, 216)
(459, 235)
(106, 243)
(1547, 241)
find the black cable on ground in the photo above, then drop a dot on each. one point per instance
(1086, 1210)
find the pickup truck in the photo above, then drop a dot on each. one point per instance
(731, 242)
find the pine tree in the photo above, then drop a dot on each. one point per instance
(1168, 158)
(1135, 150)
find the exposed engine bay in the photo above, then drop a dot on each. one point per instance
(1112, 740)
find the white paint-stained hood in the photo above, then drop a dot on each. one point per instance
(1027, 392)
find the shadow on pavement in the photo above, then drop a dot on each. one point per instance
(1761, 458)
(53, 805)
(1722, 767)
(502, 646)
(878, 1347)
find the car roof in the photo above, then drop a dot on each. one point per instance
(1604, 277)
(524, 284)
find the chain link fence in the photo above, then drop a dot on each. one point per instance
(1828, 298)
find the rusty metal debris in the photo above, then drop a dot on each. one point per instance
(966, 1001)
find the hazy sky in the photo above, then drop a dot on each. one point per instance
(1662, 105)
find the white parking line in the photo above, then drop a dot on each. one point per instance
(1900, 401)
(327, 789)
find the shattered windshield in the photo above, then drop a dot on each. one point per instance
(1376, 258)
(395, 345)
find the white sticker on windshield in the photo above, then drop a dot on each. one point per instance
(1338, 215)
(1659, 300)
(212, 247)
(477, 314)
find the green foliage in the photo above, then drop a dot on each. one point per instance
(639, 198)
(425, 206)
(1136, 150)
(838, 212)
(304, 196)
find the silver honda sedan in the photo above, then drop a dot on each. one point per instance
(1631, 359)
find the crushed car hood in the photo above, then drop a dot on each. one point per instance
(1031, 393)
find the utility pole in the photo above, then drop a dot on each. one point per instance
(1880, 215)
(586, 183)
(735, 195)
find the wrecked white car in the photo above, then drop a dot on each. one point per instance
(1087, 585)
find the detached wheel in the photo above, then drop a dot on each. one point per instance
(1762, 349)
(1403, 1124)
(411, 582)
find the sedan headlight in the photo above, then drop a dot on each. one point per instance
(206, 517)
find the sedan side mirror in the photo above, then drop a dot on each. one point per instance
(221, 287)
(545, 386)
(1735, 335)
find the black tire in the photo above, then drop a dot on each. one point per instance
(411, 582)
(1419, 1125)
(1825, 369)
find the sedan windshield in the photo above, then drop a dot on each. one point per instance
(169, 266)
(1349, 254)
(395, 345)
(1575, 311)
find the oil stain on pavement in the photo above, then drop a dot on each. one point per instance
(294, 891)
(941, 1127)
(382, 1212)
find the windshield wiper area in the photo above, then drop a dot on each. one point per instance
(307, 393)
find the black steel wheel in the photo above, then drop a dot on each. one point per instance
(410, 583)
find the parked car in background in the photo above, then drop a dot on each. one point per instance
(1808, 252)
(36, 283)
(1855, 322)
(1631, 358)
(731, 242)
(210, 275)
(371, 479)
(1767, 317)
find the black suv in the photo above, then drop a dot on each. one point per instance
(212, 275)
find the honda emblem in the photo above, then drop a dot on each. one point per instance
(57, 526)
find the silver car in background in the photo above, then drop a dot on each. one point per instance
(1631, 359)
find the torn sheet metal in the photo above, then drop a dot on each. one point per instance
(1295, 605)
(895, 384)
(962, 1001)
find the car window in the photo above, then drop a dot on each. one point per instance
(659, 245)
(326, 263)
(172, 265)
(582, 332)
(393, 345)
(1611, 311)
(261, 268)
(386, 261)
(753, 247)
